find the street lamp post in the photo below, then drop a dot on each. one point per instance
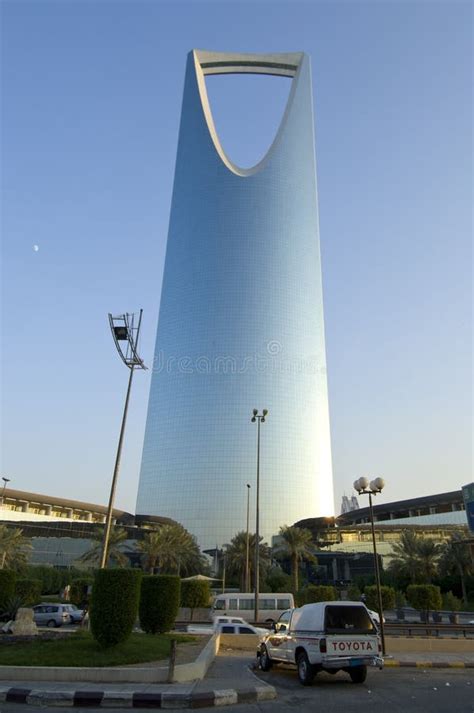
(375, 486)
(259, 418)
(125, 335)
(247, 547)
(5, 481)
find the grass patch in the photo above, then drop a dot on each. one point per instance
(80, 649)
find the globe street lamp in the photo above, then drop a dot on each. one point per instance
(259, 418)
(247, 546)
(363, 487)
(125, 335)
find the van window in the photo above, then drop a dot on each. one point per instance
(348, 619)
(247, 604)
(233, 604)
(284, 604)
(267, 604)
(220, 604)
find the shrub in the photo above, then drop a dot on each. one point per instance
(451, 602)
(7, 587)
(159, 602)
(278, 581)
(194, 594)
(316, 593)
(28, 591)
(78, 593)
(371, 598)
(424, 597)
(114, 605)
(353, 593)
(50, 578)
(400, 600)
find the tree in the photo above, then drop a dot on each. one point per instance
(297, 543)
(195, 593)
(236, 558)
(428, 555)
(372, 600)
(278, 580)
(415, 558)
(159, 602)
(116, 540)
(14, 548)
(424, 597)
(456, 559)
(114, 605)
(172, 550)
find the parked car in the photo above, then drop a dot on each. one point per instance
(227, 625)
(324, 636)
(51, 614)
(77, 615)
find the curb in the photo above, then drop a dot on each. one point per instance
(128, 699)
(392, 663)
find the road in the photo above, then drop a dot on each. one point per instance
(388, 691)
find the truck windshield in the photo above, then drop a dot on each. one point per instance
(344, 620)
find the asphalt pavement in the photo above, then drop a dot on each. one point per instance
(408, 683)
(390, 691)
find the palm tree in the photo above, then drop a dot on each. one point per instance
(415, 557)
(115, 553)
(456, 558)
(297, 543)
(172, 549)
(428, 555)
(236, 557)
(405, 556)
(14, 547)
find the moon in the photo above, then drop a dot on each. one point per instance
(36, 248)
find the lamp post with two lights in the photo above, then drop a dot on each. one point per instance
(363, 487)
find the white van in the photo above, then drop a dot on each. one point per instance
(325, 636)
(270, 606)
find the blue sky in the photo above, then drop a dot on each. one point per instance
(91, 103)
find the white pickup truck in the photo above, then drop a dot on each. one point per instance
(325, 636)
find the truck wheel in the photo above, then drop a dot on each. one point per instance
(265, 660)
(358, 674)
(306, 672)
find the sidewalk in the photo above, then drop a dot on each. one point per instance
(229, 680)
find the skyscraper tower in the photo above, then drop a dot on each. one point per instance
(241, 324)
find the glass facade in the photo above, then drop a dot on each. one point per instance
(240, 325)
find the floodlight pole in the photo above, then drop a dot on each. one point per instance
(123, 330)
(247, 543)
(259, 418)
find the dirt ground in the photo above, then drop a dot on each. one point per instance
(188, 652)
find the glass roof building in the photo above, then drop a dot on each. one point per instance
(240, 325)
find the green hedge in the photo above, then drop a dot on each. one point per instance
(7, 588)
(78, 592)
(28, 591)
(371, 598)
(316, 593)
(159, 603)
(194, 594)
(114, 605)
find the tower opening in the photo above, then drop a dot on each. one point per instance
(247, 110)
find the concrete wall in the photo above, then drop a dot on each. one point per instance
(420, 644)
